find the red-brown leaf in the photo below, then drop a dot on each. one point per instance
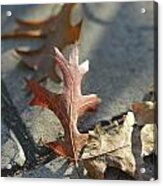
(69, 105)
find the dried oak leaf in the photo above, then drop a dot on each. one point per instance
(56, 31)
(69, 105)
(144, 112)
(119, 145)
(112, 147)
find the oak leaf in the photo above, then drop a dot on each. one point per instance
(110, 146)
(115, 145)
(56, 31)
(68, 106)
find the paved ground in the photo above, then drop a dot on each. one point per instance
(117, 39)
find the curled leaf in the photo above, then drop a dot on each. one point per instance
(68, 106)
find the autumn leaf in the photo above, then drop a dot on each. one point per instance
(68, 106)
(148, 138)
(111, 146)
(144, 112)
(56, 31)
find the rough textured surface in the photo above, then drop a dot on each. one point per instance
(120, 51)
(38, 120)
(9, 151)
(57, 168)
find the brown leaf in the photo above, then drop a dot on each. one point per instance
(110, 147)
(145, 115)
(116, 136)
(144, 112)
(56, 31)
(67, 106)
(95, 167)
(118, 145)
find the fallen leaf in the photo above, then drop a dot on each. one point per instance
(110, 147)
(148, 138)
(68, 106)
(121, 143)
(56, 31)
(144, 112)
(95, 167)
